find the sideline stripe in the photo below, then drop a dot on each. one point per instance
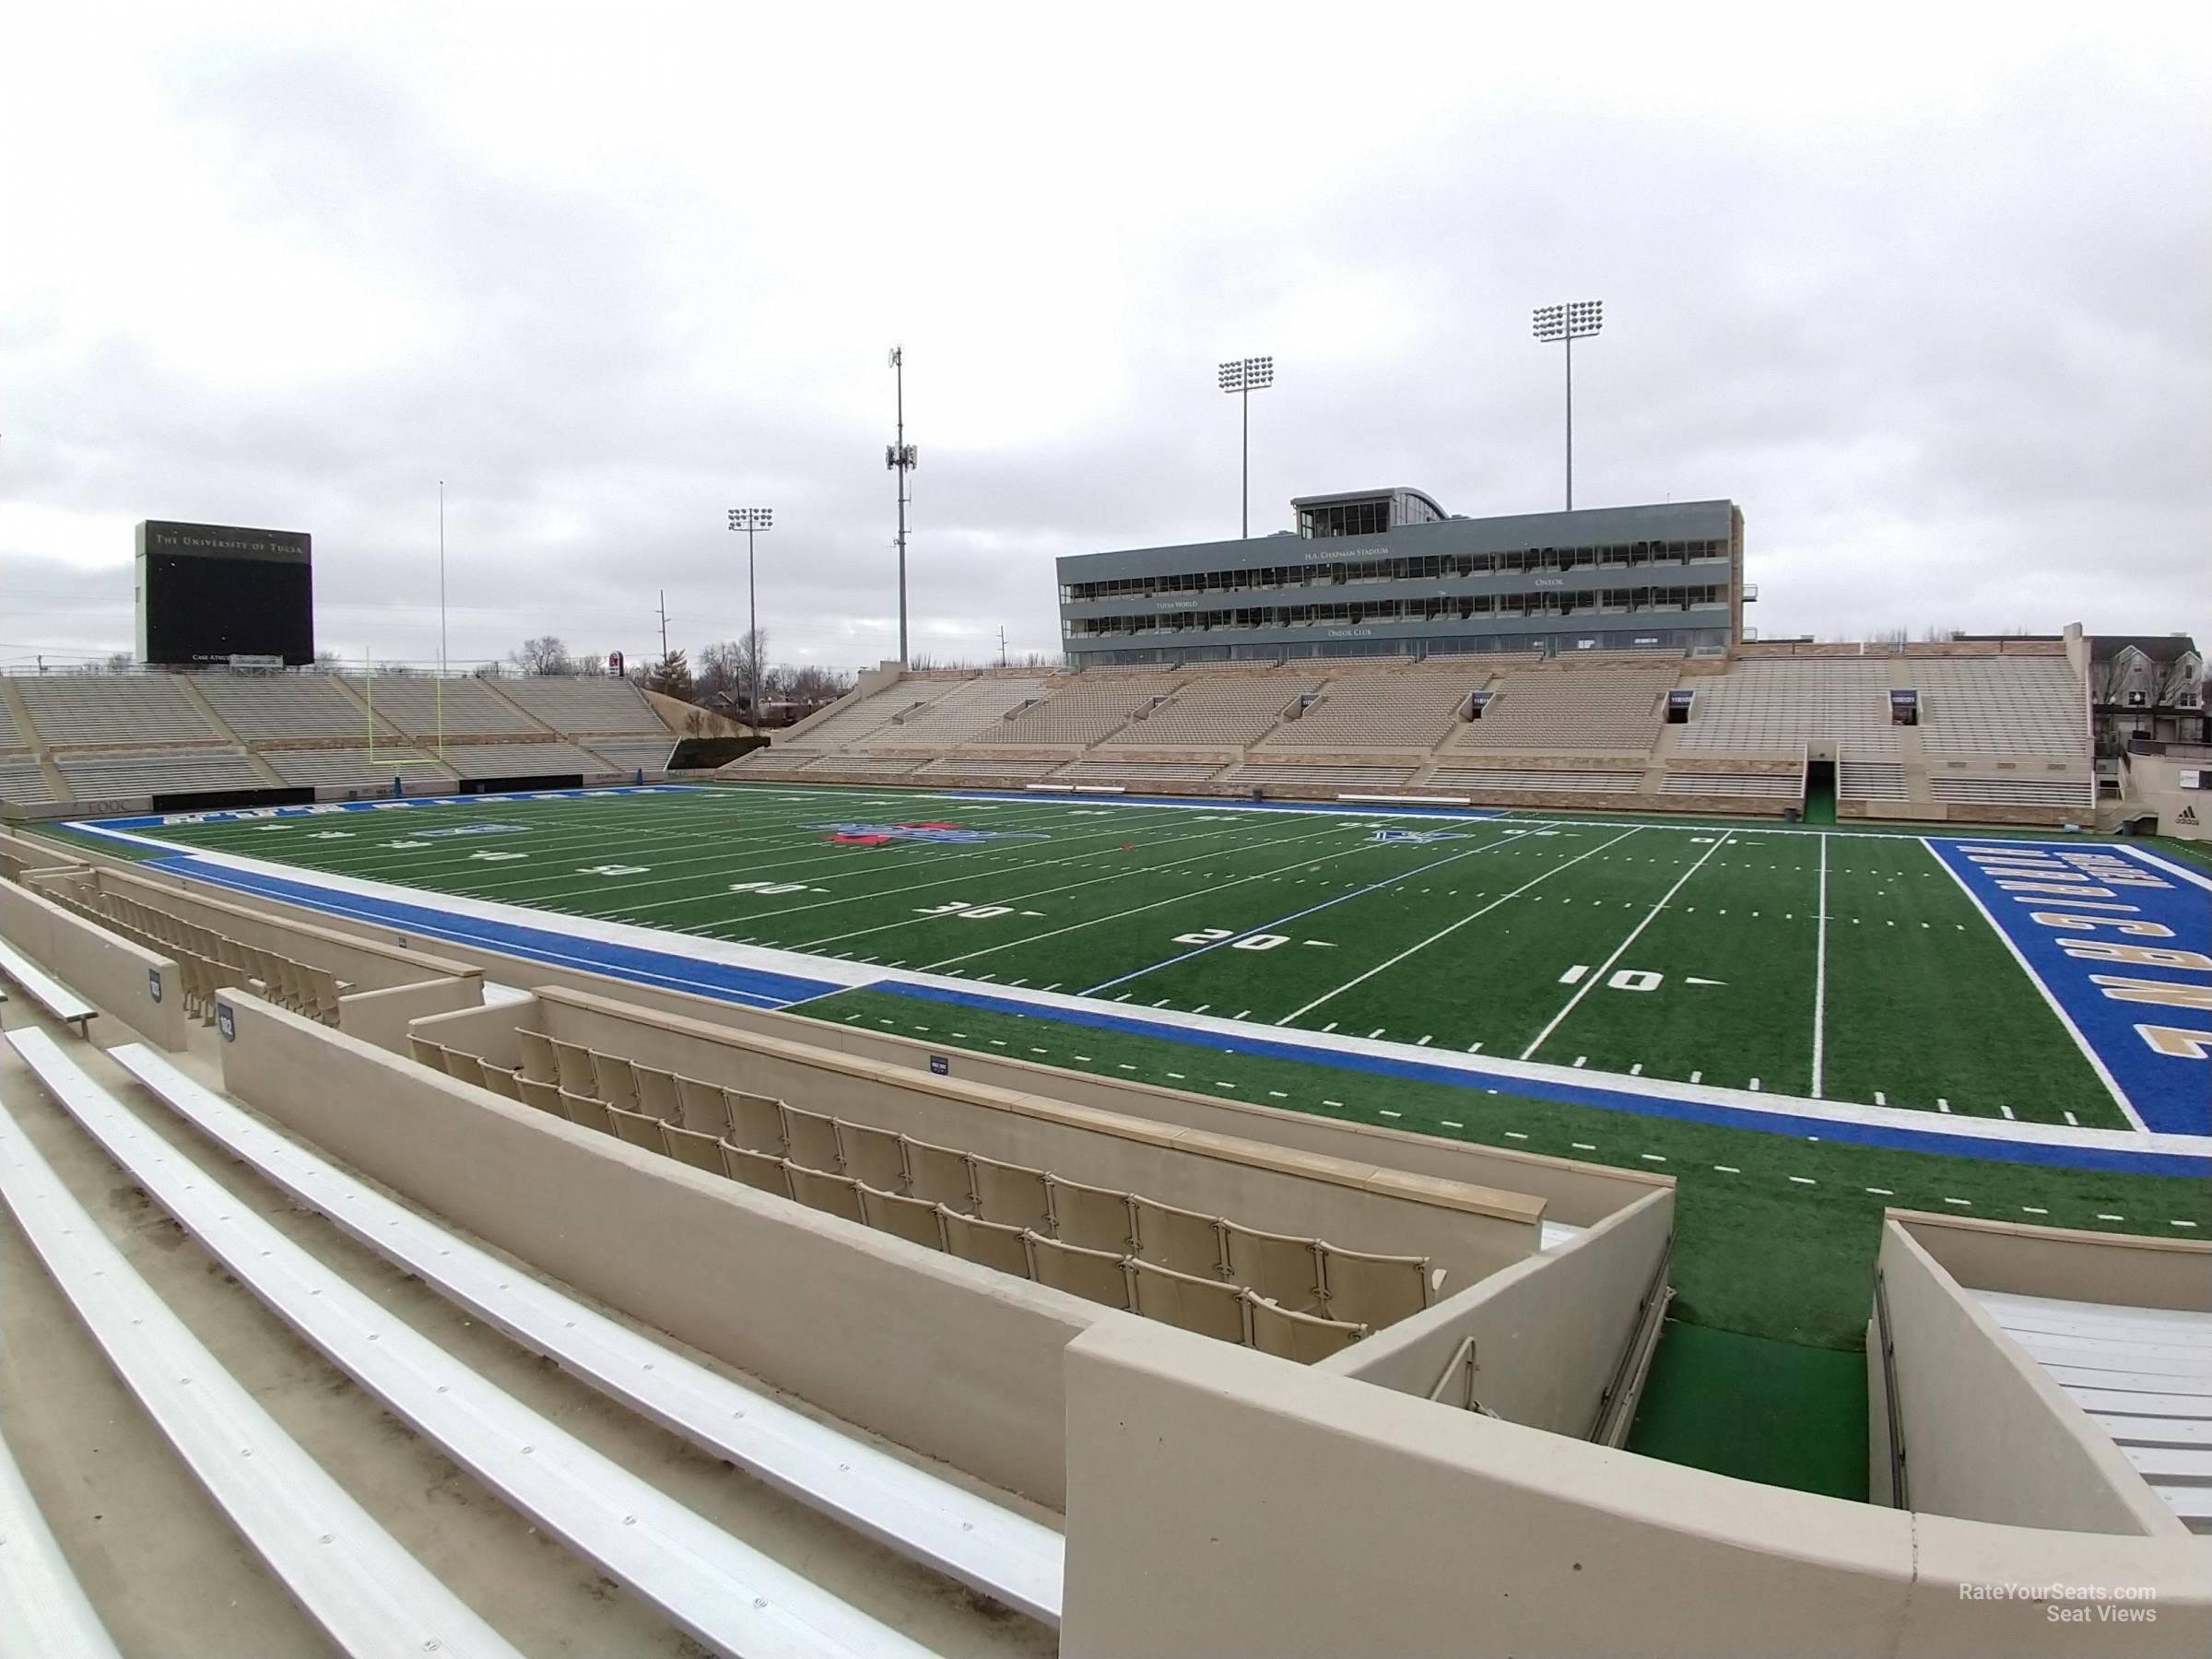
(2067, 1154)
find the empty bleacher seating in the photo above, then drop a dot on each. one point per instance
(586, 705)
(371, 1596)
(284, 706)
(520, 760)
(1137, 771)
(1380, 711)
(1481, 779)
(422, 707)
(1761, 785)
(873, 766)
(736, 1598)
(1218, 711)
(24, 782)
(649, 756)
(356, 768)
(1860, 780)
(986, 765)
(1594, 710)
(978, 1542)
(107, 775)
(1082, 709)
(1775, 706)
(2001, 706)
(208, 961)
(1321, 776)
(100, 710)
(981, 1209)
(954, 717)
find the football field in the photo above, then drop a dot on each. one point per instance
(1839, 966)
(1803, 1028)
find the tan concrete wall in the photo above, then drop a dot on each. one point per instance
(1988, 1436)
(1222, 1501)
(368, 960)
(1466, 1232)
(2152, 787)
(957, 1361)
(1548, 1333)
(382, 1017)
(98, 965)
(2065, 1262)
(21, 853)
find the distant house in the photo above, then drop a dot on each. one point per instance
(2149, 686)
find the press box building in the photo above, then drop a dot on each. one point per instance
(1383, 572)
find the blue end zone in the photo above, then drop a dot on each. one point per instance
(1608, 1100)
(670, 971)
(2019, 881)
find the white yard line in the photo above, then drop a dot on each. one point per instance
(1605, 967)
(1486, 1070)
(1820, 977)
(1455, 927)
(2112, 1084)
(1183, 898)
(2166, 865)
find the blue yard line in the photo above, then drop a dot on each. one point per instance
(1199, 950)
(670, 970)
(1606, 1100)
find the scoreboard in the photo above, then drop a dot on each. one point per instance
(222, 593)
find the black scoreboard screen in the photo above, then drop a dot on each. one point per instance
(215, 594)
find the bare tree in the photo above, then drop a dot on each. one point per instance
(546, 654)
(595, 666)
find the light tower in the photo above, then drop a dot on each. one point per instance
(751, 520)
(901, 457)
(1566, 323)
(1244, 376)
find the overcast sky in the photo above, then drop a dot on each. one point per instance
(1925, 292)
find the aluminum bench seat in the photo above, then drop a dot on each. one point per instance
(42, 988)
(352, 1578)
(980, 1543)
(48, 1614)
(719, 1590)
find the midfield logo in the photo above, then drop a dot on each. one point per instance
(877, 835)
(1417, 837)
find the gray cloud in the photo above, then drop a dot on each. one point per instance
(1950, 354)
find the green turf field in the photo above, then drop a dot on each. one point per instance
(1841, 967)
(1846, 965)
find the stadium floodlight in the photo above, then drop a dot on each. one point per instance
(1243, 376)
(752, 521)
(1564, 324)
